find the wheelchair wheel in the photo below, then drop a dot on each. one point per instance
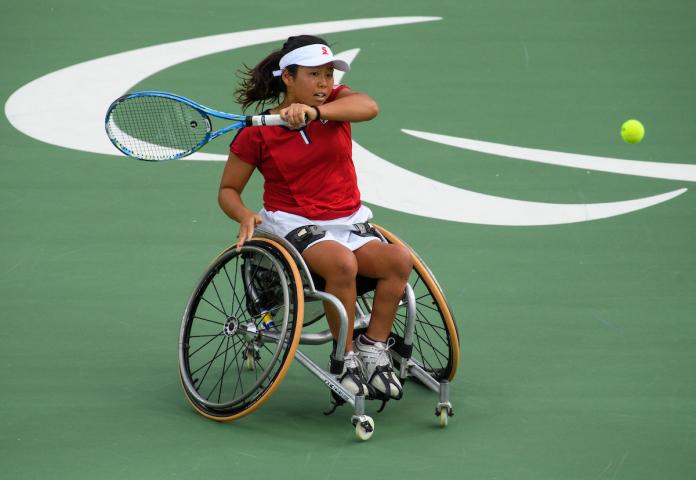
(436, 338)
(240, 329)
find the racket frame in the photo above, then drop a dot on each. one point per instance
(240, 121)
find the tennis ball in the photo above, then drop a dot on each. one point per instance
(632, 131)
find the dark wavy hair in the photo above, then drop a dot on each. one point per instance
(258, 85)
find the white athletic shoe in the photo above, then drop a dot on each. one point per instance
(377, 366)
(352, 377)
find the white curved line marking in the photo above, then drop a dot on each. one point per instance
(67, 107)
(669, 171)
(409, 192)
(126, 139)
(348, 56)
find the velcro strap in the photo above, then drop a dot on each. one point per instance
(303, 236)
(364, 229)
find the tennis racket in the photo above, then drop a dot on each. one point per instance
(157, 126)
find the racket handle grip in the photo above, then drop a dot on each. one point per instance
(264, 120)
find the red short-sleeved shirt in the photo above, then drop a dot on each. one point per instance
(307, 172)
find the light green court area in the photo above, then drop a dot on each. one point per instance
(578, 340)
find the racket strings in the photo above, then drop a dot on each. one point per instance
(156, 128)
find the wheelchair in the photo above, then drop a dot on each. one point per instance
(243, 324)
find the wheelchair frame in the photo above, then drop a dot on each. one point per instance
(287, 262)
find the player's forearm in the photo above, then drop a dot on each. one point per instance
(357, 107)
(231, 203)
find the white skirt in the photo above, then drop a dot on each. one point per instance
(281, 223)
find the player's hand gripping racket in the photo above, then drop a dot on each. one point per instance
(156, 125)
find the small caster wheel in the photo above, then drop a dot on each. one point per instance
(443, 412)
(444, 418)
(364, 427)
(249, 360)
(251, 356)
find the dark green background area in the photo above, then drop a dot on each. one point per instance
(578, 341)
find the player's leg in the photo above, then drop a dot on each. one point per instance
(391, 266)
(339, 267)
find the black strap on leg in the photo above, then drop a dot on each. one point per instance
(301, 237)
(364, 230)
(335, 366)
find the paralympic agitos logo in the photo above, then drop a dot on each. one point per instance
(73, 101)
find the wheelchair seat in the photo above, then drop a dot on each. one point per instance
(363, 284)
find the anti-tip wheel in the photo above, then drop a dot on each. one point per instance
(364, 427)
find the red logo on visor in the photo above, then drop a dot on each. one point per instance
(323, 51)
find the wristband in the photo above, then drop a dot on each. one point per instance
(316, 109)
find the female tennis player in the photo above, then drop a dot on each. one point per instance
(310, 179)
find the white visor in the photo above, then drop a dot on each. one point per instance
(311, 56)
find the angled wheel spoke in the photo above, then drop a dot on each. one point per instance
(238, 383)
(191, 354)
(217, 293)
(210, 363)
(226, 369)
(217, 355)
(425, 305)
(241, 302)
(415, 284)
(208, 320)
(419, 348)
(424, 322)
(214, 306)
(222, 375)
(425, 338)
(232, 284)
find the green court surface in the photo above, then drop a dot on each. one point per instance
(578, 339)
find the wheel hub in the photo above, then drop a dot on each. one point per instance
(231, 326)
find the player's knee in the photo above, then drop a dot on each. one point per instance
(343, 270)
(402, 261)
